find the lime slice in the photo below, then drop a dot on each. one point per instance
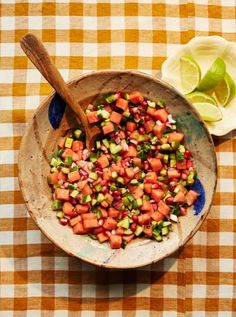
(190, 73)
(208, 111)
(213, 76)
(200, 97)
(225, 90)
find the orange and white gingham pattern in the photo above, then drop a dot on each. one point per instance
(38, 279)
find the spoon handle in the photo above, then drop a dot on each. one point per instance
(39, 56)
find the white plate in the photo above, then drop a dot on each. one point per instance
(205, 49)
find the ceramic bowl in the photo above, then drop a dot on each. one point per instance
(205, 49)
(40, 140)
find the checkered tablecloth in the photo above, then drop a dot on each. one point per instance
(38, 279)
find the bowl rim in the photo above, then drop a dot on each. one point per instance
(47, 99)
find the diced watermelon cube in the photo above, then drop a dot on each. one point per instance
(191, 197)
(157, 216)
(115, 117)
(132, 152)
(161, 115)
(136, 97)
(110, 224)
(129, 172)
(137, 161)
(151, 111)
(175, 137)
(77, 146)
(62, 194)
(136, 191)
(128, 238)
(157, 194)
(108, 128)
(149, 125)
(122, 104)
(75, 220)
(86, 190)
(173, 173)
(144, 219)
(89, 216)
(146, 206)
(156, 164)
(67, 208)
(181, 165)
(113, 213)
(179, 197)
(79, 229)
(151, 178)
(67, 153)
(81, 209)
(90, 223)
(52, 178)
(103, 161)
(73, 176)
(115, 241)
(148, 188)
(102, 237)
(92, 117)
(163, 208)
(131, 126)
(158, 129)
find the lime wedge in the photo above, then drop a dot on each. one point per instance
(213, 76)
(200, 97)
(190, 73)
(208, 111)
(225, 90)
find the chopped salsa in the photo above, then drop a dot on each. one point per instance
(135, 182)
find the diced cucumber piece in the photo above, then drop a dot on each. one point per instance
(74, 193)
(93, 157)
(65, 170)
(126, 96)
(70, 186)
(77, 133)
(137, 203)
(56, 204)
(93, 202)
(151, 104)
(75, 168)
(56, 162)
(106, 143)
(172, 156)
(53, 170)
(114, 174)
(128, 231)
(138, 231)
(130, 206)
(115, 148)
(103, 113)
(126, 114)
(100, 197)
(98, 144)
(166, 223)
(163, 172)
(123, 190)
(98, 187)
(133, 182)
(86, 199)
(181, 148)
(60, 214)
(92, 236)
(113, 187)
(158, 238)
(120, 180)
(166, 158)
(172, 163)
(124, 223)
(161, 103)
(69, 142)
(130, 197)
(165, 147)
(162, 178)
(93, 176)
(164, 231)
(125, 201)
(146, 197)
(175, 145)
(68, 161)
(110, 98)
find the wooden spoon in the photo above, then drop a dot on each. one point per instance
(39, 56)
